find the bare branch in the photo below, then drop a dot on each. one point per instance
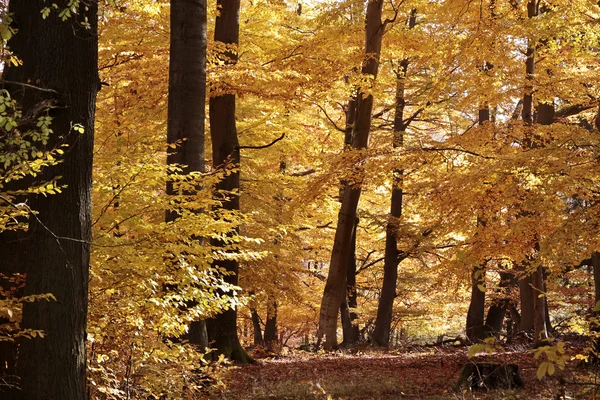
(329, 118)
(263, 146)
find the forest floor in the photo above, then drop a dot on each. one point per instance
(421, 373)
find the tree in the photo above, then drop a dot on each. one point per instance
(335, 286)
(59, 52)
(393, 256)
(226, 156)
(187, 103)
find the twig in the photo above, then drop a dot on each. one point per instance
(29, 86)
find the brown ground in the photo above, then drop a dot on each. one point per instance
(425, 373)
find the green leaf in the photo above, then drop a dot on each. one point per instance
(45, 12)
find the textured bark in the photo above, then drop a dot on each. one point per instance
(349, 328)
(222, 330)
(336, 278)
(55, 251)
(187, 103)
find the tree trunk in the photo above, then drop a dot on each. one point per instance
(540, 330)
(271, 324)
(497, 311)
(526, 299)
(258, 337)
(336, 278)
(595, 325)
(476, 313)
(222, 329)
(186, 108)
(545, 116)
(350, 329)
(55, 251)
(392, 257)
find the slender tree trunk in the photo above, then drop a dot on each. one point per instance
(186, 108)
(545, 116)
(392, 257)
(476, 313)
(222, 330)
(349, 328)
(55, 251)
(336, 278)
(536, 280)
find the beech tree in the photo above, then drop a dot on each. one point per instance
(59, 74)
(222, 329)
(187, 103)
(335, 286)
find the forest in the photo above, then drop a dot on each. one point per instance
(299, 199)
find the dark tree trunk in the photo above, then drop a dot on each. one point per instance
(187, 103)
(497, 311)
(222, 330)
(526, 300)
(545, 116)
(595, 325)
(55, 251)
(392, 257)
(271, 324)
(475, 315)
(258, 337)
(333, 293)
(350, 329)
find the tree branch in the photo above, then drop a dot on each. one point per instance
(263, 146)
(329, 118)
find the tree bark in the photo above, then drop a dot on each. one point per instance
(271, 324)
(349, 328)
(595, 325)
(186, 107)
(55, 251)
(336, 278)
(222, 329)
(392, 257)
(526, 300)
(258, 337)
(475, 315)
(497, 311)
